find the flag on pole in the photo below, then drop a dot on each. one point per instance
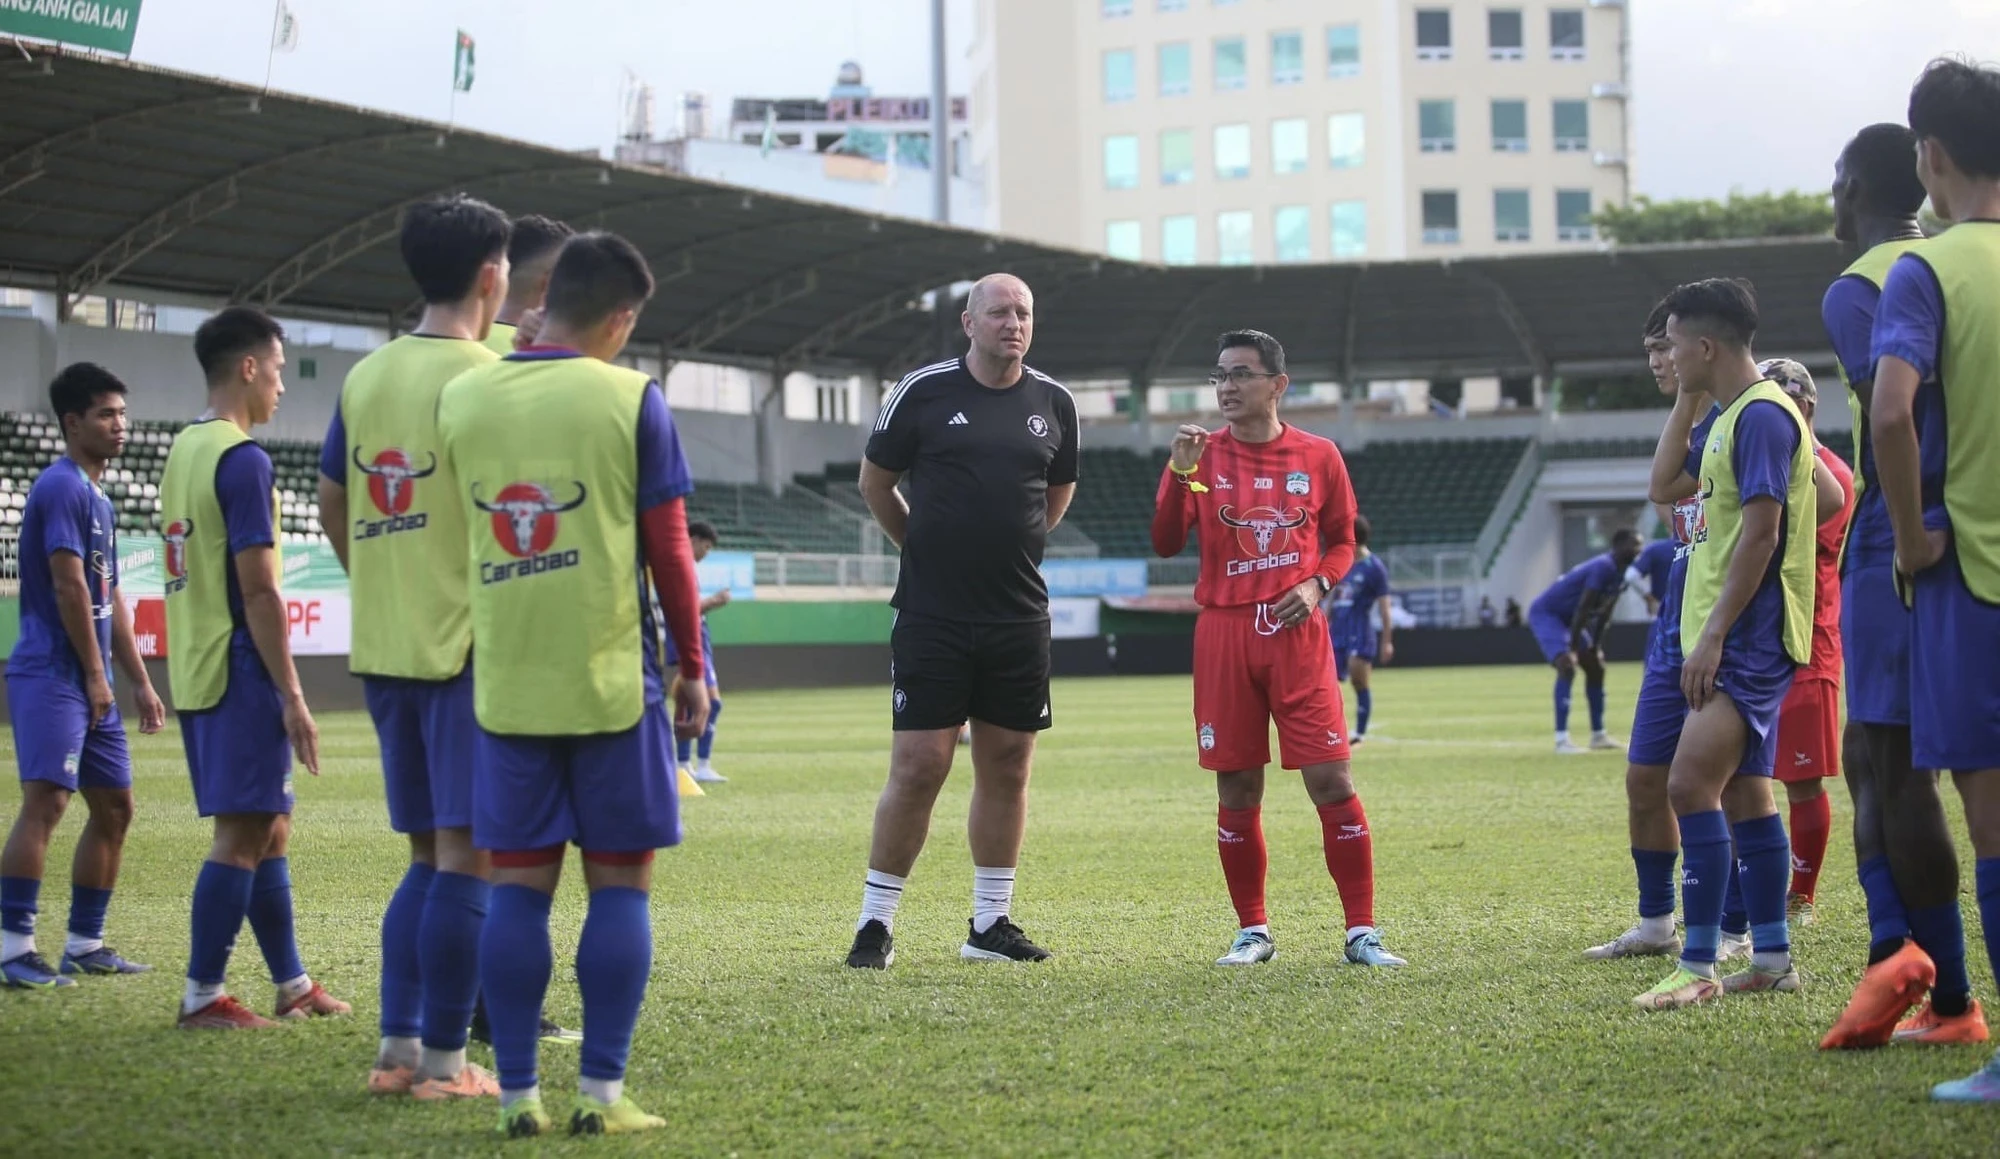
(461, 66)
(285, 32)
(770, 130)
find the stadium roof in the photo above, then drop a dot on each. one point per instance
(122, 177)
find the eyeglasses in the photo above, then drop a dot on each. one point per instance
(1239, 375)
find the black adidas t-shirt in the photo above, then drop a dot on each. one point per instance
(979, 463)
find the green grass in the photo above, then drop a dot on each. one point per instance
(1496, 863)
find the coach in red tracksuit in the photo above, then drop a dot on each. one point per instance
(1274, 513)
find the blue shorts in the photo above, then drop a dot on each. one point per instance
(61, 747)
(1662, 712)
(1758, 695)
(1551, 633)
(606, 793)
(428, 736)
(237, 752)
(673, 658)
(1954, 673)
(1875, 646)
(1345, 649)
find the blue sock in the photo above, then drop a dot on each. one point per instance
(1764, 869)
(18, 896)
(1364, 707)
(1735, 918)
(1939, 931)
(514, 966)
(1593, 694)
(613, 959)
(1704, 879)
(1562, 702)
(271, 919)
(683, 749)
(448, 944)
(1987, 875)
(707, 744)
(402, 974)
(86, 911)
(1887, 920)
(221, 899)
(1656, 881)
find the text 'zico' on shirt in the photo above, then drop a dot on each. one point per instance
(977, 465)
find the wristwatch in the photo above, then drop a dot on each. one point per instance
(1325, 585)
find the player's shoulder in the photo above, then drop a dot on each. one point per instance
(1054, 388)
(915, 388)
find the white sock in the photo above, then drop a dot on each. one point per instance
(992, 895)
(1354, 932)
(1771, 961)
(13, 945)
(200, 994)
(509, 1098)
(704, 766)
(880, 896)
(1258, 929)
(295, 989)
(606, 1091)
(399, 1051)
(1657, 929)
(1705, 969)
(1562, 734)
(440, 1064)
(78, 945)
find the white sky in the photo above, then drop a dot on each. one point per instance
(1744, 94)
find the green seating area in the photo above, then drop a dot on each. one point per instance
(749, 518)
(1840, 442)
(836, 484)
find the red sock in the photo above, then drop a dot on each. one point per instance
(1812, 823)
(1239, 837)
(1350, 858)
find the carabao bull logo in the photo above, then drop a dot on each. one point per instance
(392, 478)
(524, 516)
(176, 538)
(1263, 524)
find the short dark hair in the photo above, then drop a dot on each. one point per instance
(232, 333)
(1957, 104)
(1656, 322)
(1623, 538)
(1269, 350)
(536, 237)
(1727, 306)
(77, 387)
(445, 242)
(703, 529)
(597, 275)
(1360, 530)
(1883, 158)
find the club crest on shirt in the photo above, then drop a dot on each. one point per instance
(1298, 483)
(1038, 426)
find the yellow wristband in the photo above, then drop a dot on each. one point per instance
(1181, 473)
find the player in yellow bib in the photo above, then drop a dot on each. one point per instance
(572, 484)
(243, 715)
(531, 254)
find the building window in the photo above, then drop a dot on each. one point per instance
(1433, 34)
(1232, 64)
(1510, 215)
(1121, 162)
(1115, 8)
(1176, 69)
(1437, 126)
(1440, 216)
(1292, 233)
(833, 401)
(1173, 5)
(1350, 229)
(1343, 50)
(1177, 240)
(1232, 151)
(1503, 34)
(1510, 126)
(1346, 141)
(1176, 156)
(1121, 240)
(1572, 125)
(1566, 33)
(1235, 238)
(1573, 215)
(1288, 145)
(1120, 77)
(1288, 58)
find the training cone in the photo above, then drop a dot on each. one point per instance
(689, 786)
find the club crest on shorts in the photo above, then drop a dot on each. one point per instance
(1206, 738)
(71, 761)
(901, 700)
(1298, 483)
(1038, 426)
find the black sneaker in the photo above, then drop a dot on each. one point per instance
(874, 947)
(1002, 942)
(552, 1033)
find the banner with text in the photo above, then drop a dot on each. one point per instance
(102, 24)
(1095, 577)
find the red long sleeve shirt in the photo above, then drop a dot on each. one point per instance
(1272, 516)
(663, 539)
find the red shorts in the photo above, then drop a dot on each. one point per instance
(1809, 731)
(1248, 671)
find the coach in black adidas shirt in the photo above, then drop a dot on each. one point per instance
(988, 447)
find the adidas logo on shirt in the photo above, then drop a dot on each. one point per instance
(958, 420)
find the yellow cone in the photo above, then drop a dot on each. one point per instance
(689, 786)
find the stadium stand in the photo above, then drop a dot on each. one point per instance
(1840, 442)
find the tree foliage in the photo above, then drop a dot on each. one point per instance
(1743, 215)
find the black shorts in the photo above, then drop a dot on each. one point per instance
(947, 670)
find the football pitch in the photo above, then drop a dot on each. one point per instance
(1497, 862)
